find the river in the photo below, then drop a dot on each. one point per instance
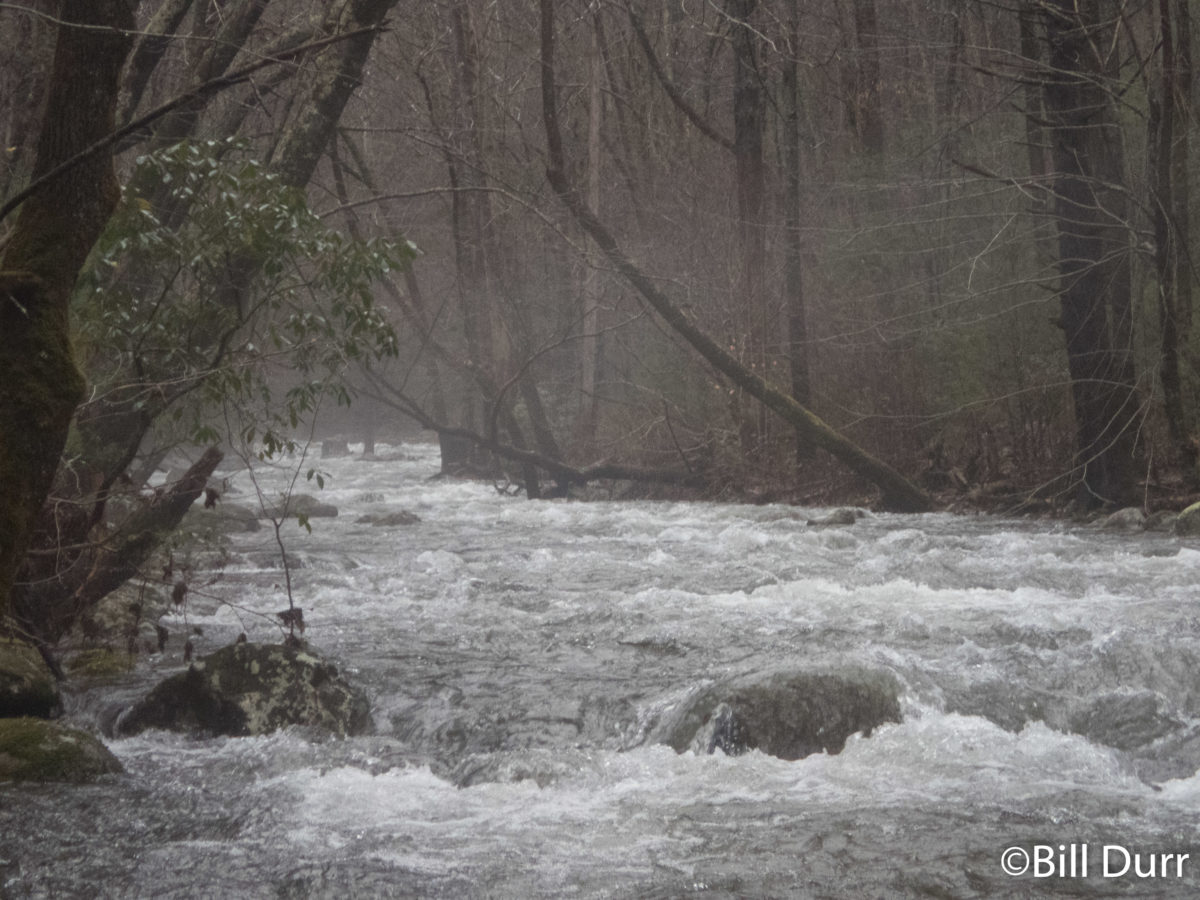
(519, 654)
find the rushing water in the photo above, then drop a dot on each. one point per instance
(518, 654)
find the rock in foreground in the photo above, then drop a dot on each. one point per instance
(27, 687)
(252, 689)
(37, 750)
(785, 714)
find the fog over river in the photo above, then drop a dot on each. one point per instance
(518, 656)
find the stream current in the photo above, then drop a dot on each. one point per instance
(519, 654)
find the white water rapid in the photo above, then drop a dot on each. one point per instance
(517, 655)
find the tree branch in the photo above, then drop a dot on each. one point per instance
(672, 92)
(206, 89)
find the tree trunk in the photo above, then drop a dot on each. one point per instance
(471, 211)
(54, 232)
(336, 73)
(149, 52)
(24, 73)
(1035, 116)
(1090, 209)
(793, 248)
(1169, 126)
(866, 115)
(898, 493)
(589, 350)
(748, 118)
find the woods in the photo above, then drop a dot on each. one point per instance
(909, 254)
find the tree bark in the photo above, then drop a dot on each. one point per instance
(748, 120)
(1090, 208)
(335, 74)
(589, 349)
(1169, 126)
(898, 493)
(1035, 117)
(55, 230)
(793, 247)
(866, 115)
(149, 52)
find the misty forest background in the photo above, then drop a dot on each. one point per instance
(785, 250)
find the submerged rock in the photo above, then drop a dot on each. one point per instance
(37, 750)
(837, 517)
(1128, 519)
(27, 687)
(786, 714)
(389, 520)
(252, 689)
(332, 449)
(300, 505)
(1126, 719)
(1010, 706)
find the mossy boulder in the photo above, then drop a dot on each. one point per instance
(1187, 524)
(37, 750)
(252, 689)
(1163, 520)
(101, 662)
(785, 714)
(27, 687)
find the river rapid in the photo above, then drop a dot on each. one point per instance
(519, 654)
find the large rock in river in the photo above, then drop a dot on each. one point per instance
(1188, 522)
(222, 518)
(250, 689)
(37, 750)
(27, 687)
(786, 714)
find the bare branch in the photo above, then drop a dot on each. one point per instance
(206, 89)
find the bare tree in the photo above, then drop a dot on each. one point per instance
(898, 492)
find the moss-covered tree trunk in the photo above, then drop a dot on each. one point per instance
(55, 229)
